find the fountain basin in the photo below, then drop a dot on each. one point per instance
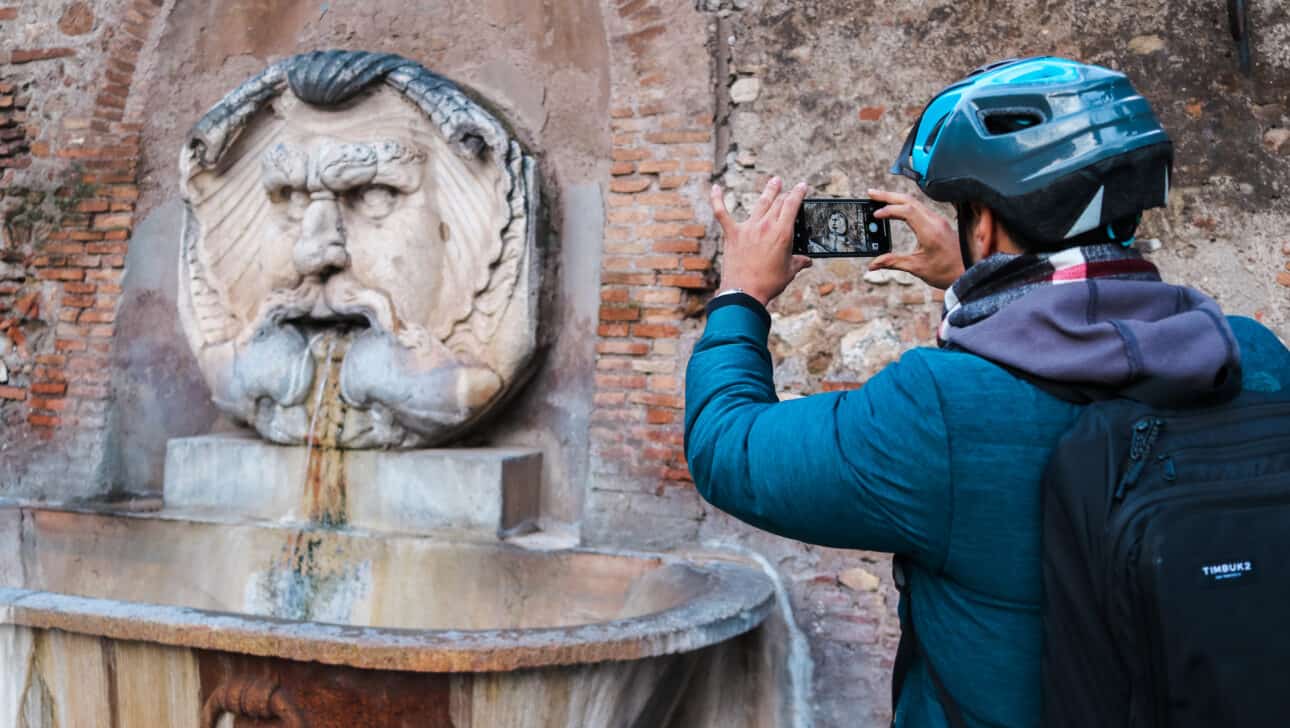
(230, 617)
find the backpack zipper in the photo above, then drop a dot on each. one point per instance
(1145, 433)
(1228, 453)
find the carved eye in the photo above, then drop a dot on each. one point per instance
(375, 201)
(292, 200)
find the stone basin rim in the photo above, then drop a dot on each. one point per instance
(737, 601)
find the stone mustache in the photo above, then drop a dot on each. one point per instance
(360, 239)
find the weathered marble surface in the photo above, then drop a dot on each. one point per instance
(492, 491)
(359, 262)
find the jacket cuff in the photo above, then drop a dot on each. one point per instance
(742, 300)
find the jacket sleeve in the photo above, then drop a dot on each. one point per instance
(866, 469)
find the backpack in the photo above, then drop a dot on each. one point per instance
(1166, 570)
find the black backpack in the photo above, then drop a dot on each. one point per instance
(1166, 567)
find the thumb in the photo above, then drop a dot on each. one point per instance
(801, 262)
(907, 263)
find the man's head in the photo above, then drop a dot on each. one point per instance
(1061, 153)
(837, 223)
(357, 217)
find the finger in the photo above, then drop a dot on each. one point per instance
(791, 205)
(897, 212)
(772, 213)
(907, 263)
(801, 262)
(719, 211)
(767, 197)
(889, 197)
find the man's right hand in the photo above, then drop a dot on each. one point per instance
(936, 260)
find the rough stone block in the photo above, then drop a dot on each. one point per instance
(495, 490)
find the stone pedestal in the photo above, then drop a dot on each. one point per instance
(486, 489)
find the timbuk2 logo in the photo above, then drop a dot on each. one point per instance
(1227, 570)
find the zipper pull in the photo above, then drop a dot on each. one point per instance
(1167, 462)
(1145, 432)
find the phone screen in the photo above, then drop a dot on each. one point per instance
(832, 227)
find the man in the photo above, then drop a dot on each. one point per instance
(938, 459)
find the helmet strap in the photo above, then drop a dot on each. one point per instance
(963, 211)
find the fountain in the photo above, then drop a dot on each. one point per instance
(360, 270)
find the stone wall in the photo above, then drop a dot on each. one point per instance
(634, 107)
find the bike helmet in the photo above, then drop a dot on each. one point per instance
(1064, 152)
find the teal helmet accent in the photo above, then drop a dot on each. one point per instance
(1066, 153)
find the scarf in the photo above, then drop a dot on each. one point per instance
(1001, 279)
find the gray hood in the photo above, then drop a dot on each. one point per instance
(1150, 341)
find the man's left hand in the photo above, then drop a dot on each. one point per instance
(758, 255)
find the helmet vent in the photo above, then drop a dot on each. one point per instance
(935, 132)
(1011, 120)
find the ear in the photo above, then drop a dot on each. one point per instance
(985, 235)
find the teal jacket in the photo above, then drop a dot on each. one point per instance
(938, 457)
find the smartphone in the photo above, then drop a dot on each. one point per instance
(836, 227)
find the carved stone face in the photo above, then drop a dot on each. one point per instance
(837, 223)
(354, 278)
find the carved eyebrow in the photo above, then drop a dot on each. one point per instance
(398, 165)
(284, 165)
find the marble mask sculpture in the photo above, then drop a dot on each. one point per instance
(359, 229)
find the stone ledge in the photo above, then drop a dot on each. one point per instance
(417, 491)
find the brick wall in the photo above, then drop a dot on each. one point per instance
(656, 271)
(69, 160)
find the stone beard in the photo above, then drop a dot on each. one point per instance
(353, 277)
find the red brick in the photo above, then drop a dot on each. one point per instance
(658, 262)
(852, 315)
(635, 184)
(693, 231)
(1284, 279)
(69, 345)
(60, 274)
(703, 166)
(627, 279)
(613, 364)
(620, 381)
(609, 399)
(674, 214)
(614, 295)
(78, 301)
(656, 166)
(49, 388)
(634, 348)
(39, 54)
(678, 137)
(116, 235)
(110, 222)
(114, 261)
(826, 288)
(684, 280)
(43, 420)
(85, 261)
(659, 199)
(622, 217)
(692, 263)
(664, 383)
(675, 401)
(656, 416)
(69, 315)
(49, 373)
(65, 248)
(9, 13)
(52, 360)
(102, 332)
(675, 246)
(72, 287)
(98, 317)
(629, 155)
(56, 405)
(8, 392)
(621, 168)
(872, 113)
(839, 385)
(606, 330)
(658, 295)
(656, 331)
(672, 181)
(85, 235)
(619, 313)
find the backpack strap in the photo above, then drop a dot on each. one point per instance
(911, 645)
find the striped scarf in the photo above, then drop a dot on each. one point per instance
(997, 281)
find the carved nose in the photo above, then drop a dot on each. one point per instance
(321, 249)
